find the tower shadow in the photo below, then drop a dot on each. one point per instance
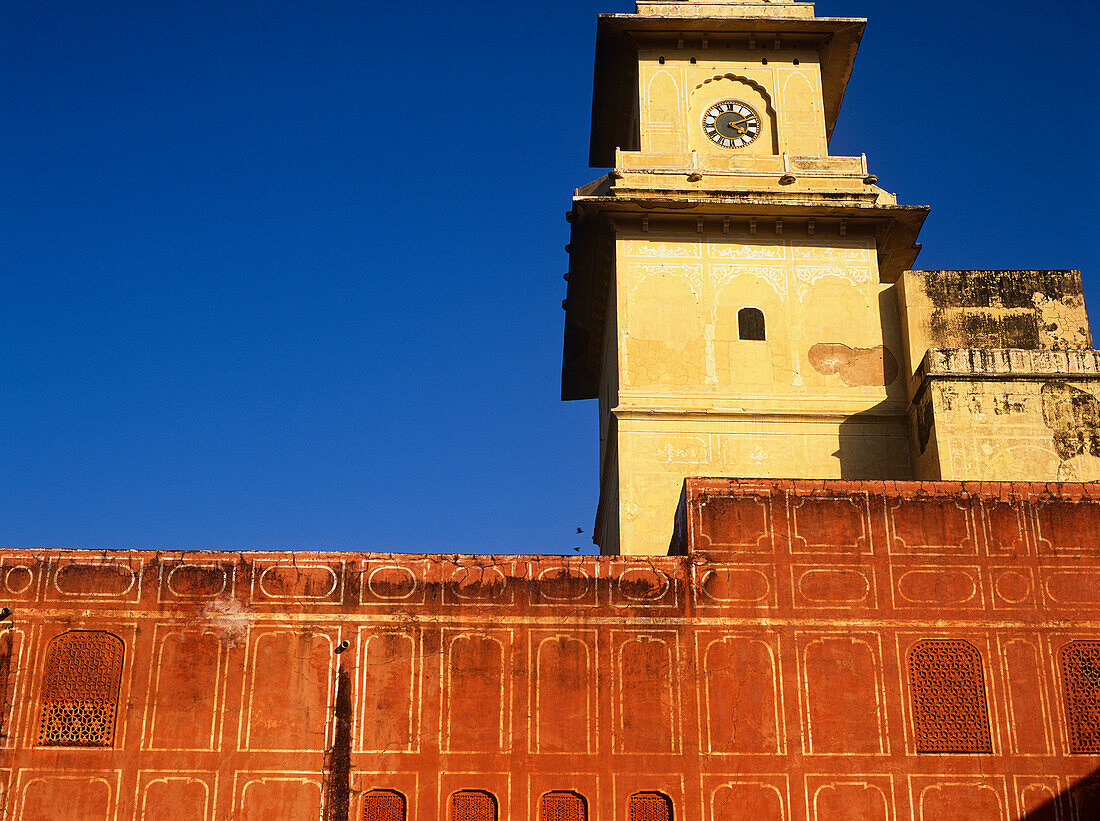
(1081, 802)
(863, 451)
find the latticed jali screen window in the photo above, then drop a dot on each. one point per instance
(80, 690)
(949, 706)
(562, 806)
(470, 805)
(1081, 681)
(383, 805)
(650, 806)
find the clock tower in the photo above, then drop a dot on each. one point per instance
(731, 298)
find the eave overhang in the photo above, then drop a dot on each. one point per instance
(591, 259)
(618, 35)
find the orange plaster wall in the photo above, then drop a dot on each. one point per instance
(760, 675)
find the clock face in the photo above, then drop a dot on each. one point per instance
(731, 124)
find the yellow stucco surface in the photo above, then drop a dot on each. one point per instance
(675, 94)
(694, 398)
(1008, 415)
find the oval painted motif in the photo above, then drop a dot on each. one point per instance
(95, 579)
(1013, 587)
(289, 582)
(478, 583)
(569, 584)
(18, 579)
(834, 586)
(195, 581)
(392, 582)
(643, 584)
(739, 584)
(937, 586)
(1074, 587)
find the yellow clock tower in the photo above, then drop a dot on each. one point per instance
(731, 285)
(741, 302)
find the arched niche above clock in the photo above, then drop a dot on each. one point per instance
(733, 116)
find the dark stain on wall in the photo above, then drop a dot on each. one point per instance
(985, 330)
(1003, 309)
(925, 421)
(1005, 405)
(477, 584)
(563, 585)
(1073, 416)
(1001, 289)
(5, 674)
(338, 759)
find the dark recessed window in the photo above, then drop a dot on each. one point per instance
(750, 324)
(473, 805)
(80, 690)
(649, 806)
(796, 61)
(562, 806)
(1081, 683)
(948, 691)
(383, 805)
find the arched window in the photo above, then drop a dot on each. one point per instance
(650, 806)
(750, 324)
(473, 805)
(1081, 687)
(80, 690)
(948, 692)
(383, 805)
(562, 806)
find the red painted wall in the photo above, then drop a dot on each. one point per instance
(766, 673)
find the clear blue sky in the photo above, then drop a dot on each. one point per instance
(287, 274)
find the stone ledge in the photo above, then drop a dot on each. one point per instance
(1008, 362)
(722, 519)
(725, 8)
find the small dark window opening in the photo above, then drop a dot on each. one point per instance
(1081, 683)
(661, 60)
(950, 712)
(750, 324)
(796, 62)
(764, 62)
(649, 806)
(383, 805)
(473, 805)
(80, 690)
(563, 806)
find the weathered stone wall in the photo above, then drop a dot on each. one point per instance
(1010, 415)
(1026, 310)
(784, 667)
(1004, 382)
(818, 396)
